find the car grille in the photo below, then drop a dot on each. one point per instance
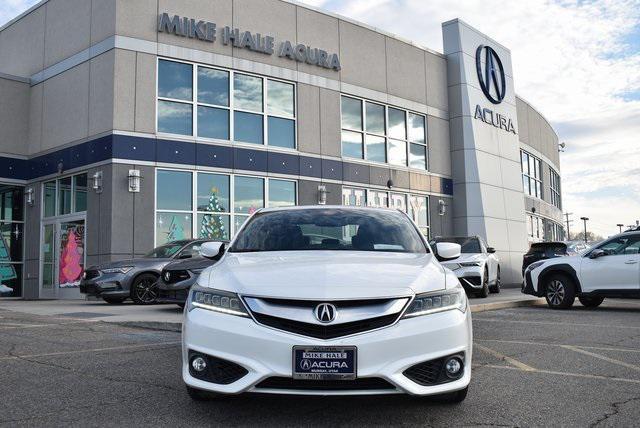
(429, 372)
(173, 276)
(218, 371)
(325, 331)
(180, 295)
(361, 384)
(90, 274)
(473, 280)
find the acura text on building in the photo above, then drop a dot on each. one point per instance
(206, 31)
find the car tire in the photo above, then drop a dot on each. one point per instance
(591, 302)
(200, 395)
(144, 289)
(484, 291)
(114, 300)
(495, 288)
(452, 397)
(559, 291)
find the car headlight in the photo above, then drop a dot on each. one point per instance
(429, 303)
(471, 264)
(123, 269)
(532, 266)
(216, 300)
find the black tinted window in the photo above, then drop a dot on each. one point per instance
(165, 251)
(330, 229)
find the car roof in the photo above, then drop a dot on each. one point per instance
(319, 207)
(548, 244)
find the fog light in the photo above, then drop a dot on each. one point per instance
(453, 367)
(198, 364)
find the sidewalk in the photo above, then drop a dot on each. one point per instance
(170, 316)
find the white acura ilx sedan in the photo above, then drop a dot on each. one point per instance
(327, 300)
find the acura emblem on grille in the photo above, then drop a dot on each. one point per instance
(325, 312)
(167, 276)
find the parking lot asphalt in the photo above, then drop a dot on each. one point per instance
(531, 367)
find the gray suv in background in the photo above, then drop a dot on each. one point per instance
(136, 278)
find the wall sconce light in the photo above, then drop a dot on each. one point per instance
(60, 167)
(134, 180)
(96, 181)
(30, 198)
(442, 207)
(562, 146)
(390, 183)
(322, 194)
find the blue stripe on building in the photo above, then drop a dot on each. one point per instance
(193, 154)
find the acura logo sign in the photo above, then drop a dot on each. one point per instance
(491, 76)
(325, 312)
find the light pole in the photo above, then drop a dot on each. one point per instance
(620, 225)
(585, 219)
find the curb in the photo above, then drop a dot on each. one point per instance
(484, 307)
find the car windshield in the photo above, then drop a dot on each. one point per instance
(469, 245)
(330, 229)
(165, 251)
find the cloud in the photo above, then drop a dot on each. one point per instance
(12, 8)
(576, 61)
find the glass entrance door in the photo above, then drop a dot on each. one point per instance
(63, 258)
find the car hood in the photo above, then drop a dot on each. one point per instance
(573, 261)
(326, 274)
(137, 263)
(465, 258)
(187, 264)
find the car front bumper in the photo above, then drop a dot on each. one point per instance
(470, 277)
(174, 293)
(384, 353)
(106, 285)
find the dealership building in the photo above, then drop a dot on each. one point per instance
(128, 124)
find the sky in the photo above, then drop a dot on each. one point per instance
(576, 61)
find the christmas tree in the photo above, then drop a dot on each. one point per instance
(176, 231)
(70, 268)
(212, 226)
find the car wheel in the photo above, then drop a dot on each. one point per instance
(591, 302)
(496, 287)
(144, 290)
(560, 292)
(452, 397)
(484, 291)
(199, 394)
(114, 300)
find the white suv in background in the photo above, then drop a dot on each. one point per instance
(610, 269)
(477, 268)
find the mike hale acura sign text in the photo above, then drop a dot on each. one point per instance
(208, 32)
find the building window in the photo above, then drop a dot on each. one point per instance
(531, 175)
(11, 239)
(218, 104)
(417, 206)
(554, 188)
(65, 195)
(535, 230)
(210, 205)
(384, 134)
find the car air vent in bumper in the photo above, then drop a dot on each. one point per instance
(217, 370)
(360, 384)
(325, 331)
(432, 372)
(90, 274)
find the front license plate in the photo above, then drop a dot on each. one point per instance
(324, 362)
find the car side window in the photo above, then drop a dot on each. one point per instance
(622, 245)
(191, 250)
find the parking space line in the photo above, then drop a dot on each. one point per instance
(578, 375)
(84, 351)
(476, 319)
(602, 357)
(512, 361)
(522, 342)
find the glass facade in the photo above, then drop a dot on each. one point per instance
(11, 240)
(531, 175)
(379, 133)
(543, 229)
(67, 195)
(210, 205)
(554, 188)
(213, 103)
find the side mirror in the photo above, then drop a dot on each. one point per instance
(211, 250)
(597, 253)
(448, 250)
(185, 255)
(491, 250)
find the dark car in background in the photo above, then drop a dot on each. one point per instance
(178, 276)
(543, 251)
(136, 278)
